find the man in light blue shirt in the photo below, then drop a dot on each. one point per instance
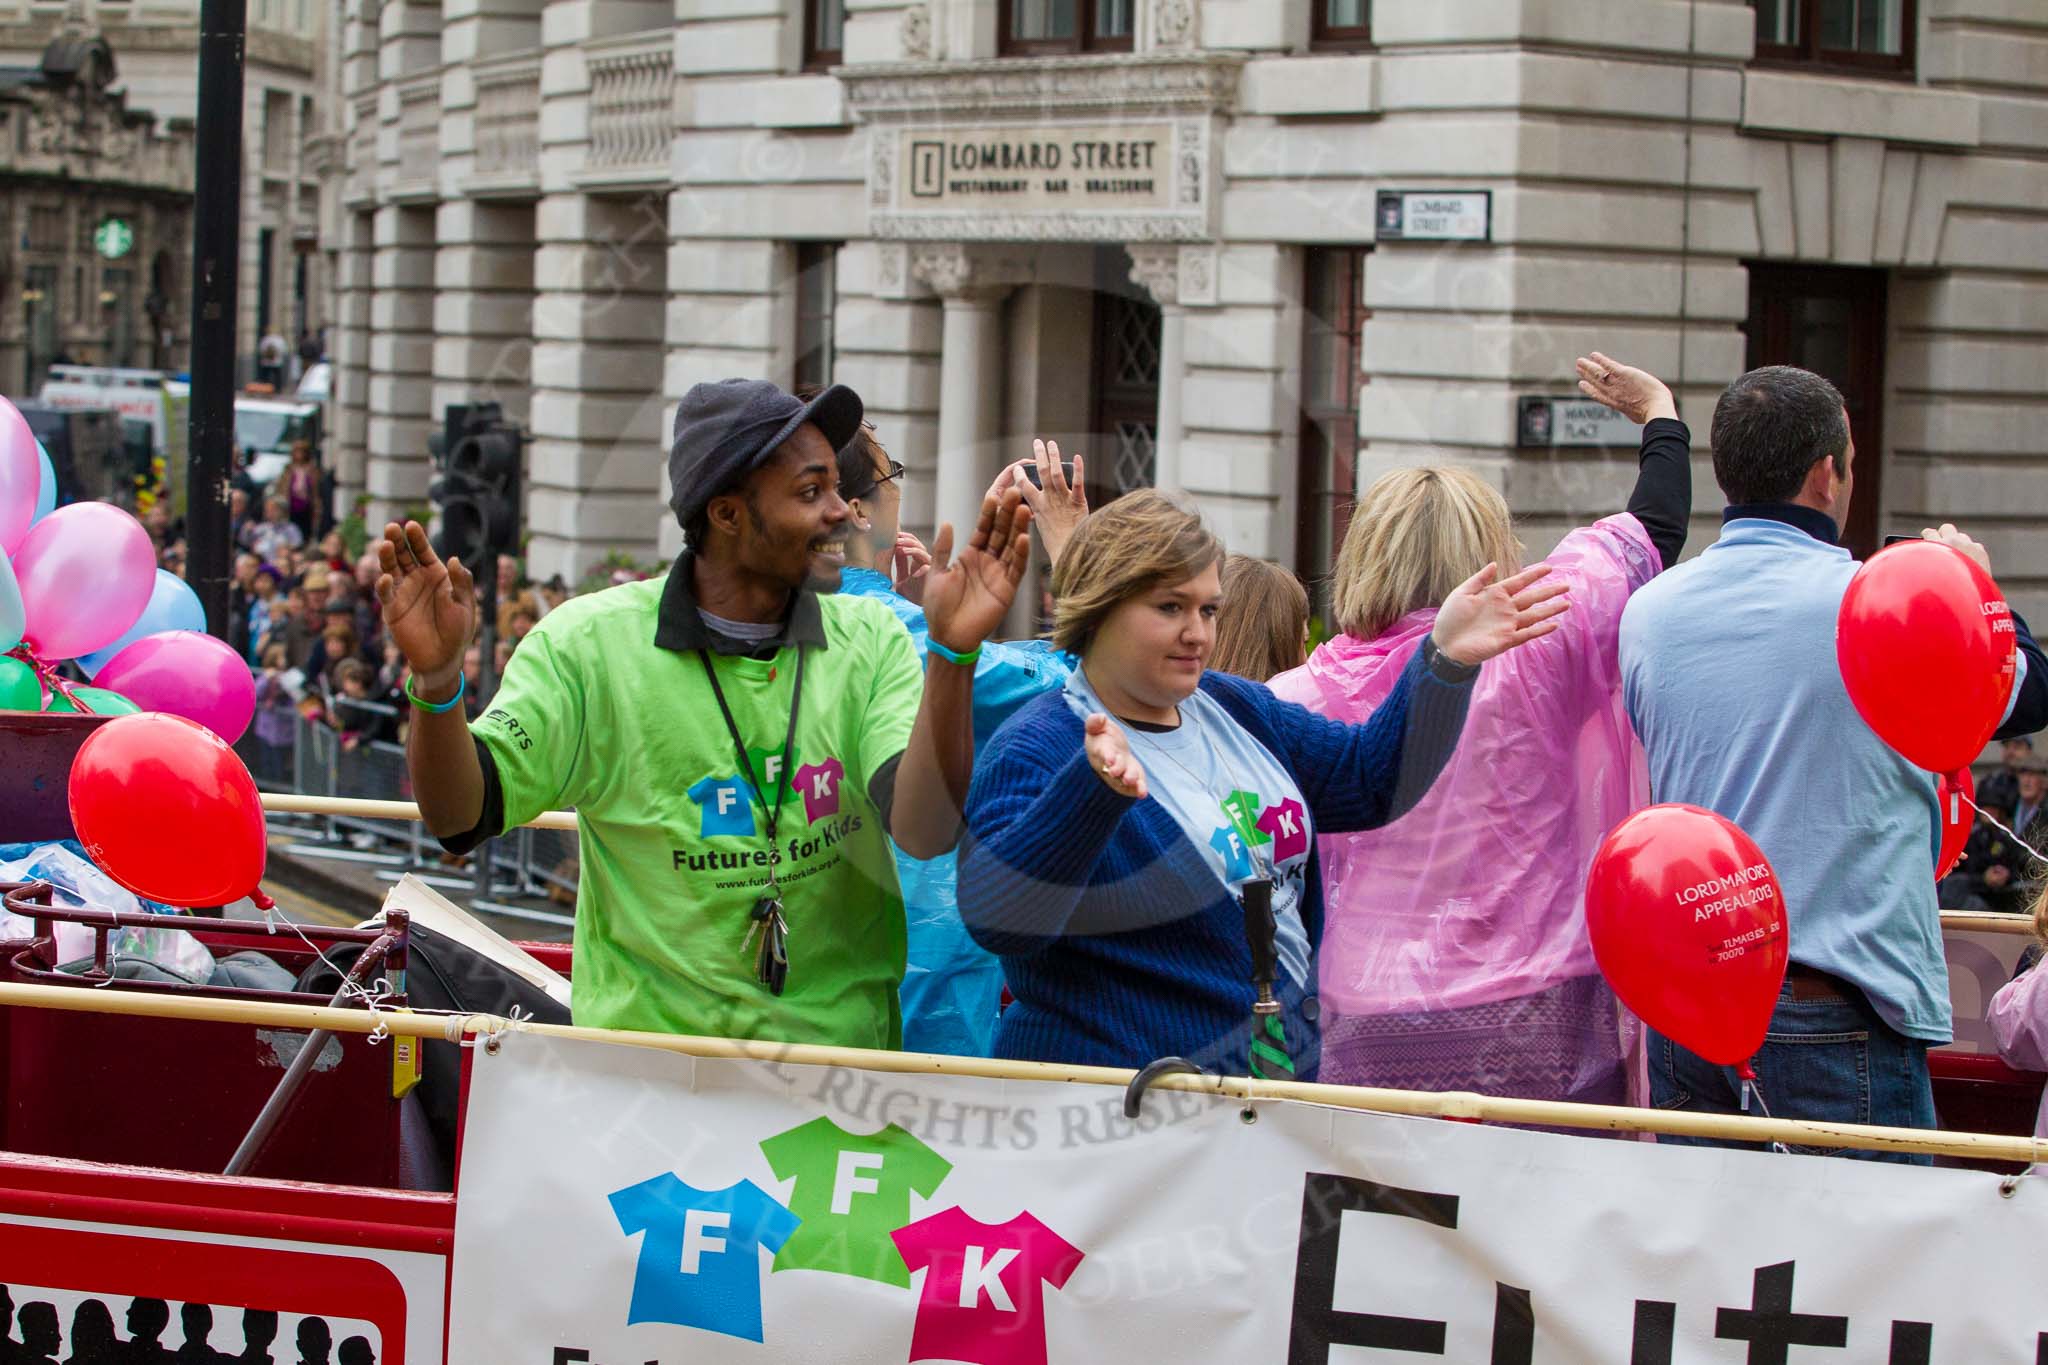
(1729, 673)
(952, 987)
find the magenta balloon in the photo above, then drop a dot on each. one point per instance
(185, 673)
(86, 572)
(21, 477)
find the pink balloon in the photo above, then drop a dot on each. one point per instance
(86, 572)
(21, 476)
(185, 673)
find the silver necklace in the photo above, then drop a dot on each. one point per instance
(1268, 866)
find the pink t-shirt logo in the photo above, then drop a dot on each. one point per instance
(981, 1301)
(818, 784)
(1288, 824)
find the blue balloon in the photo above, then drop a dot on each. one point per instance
(12, 615)
(172, 606)
(46, 491)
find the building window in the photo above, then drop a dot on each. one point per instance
(1035, 27)
(45, 227)
(817, 289)
(39, 301)
(1126, 363)
(1341, 24)
(824, 33)
(1831, 320)
(1848, 35)
(1333, 314)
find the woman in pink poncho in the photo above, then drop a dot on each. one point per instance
(2019, 1015)
(1454, 953)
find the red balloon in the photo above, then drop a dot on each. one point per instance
(1688, 926)
(1957, 792)
(1926, 645)
(168, 811)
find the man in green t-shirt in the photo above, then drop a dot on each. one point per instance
(738, 749)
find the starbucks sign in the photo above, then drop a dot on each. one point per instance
(114, 238)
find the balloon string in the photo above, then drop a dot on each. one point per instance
(49, 678)
(1746, 1072)
(2039, 856)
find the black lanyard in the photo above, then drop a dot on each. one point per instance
(771, 960)
(784, 779)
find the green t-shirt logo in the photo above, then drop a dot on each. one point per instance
(771, 770)
(851, 1192)
(1243, 807)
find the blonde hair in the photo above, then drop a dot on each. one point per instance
(1416, 535)
(1264, 621)
(2041, 914)
(1140, 541)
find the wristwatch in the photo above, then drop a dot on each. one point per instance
(1444, 666)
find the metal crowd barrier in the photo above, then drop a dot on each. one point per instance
(525, 873)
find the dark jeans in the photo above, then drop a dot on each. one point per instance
(1830, 1059)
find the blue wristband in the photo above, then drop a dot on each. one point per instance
(964, 659)
(440, 708)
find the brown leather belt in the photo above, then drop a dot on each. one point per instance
(1808, 983)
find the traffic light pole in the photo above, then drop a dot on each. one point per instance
(216, 232)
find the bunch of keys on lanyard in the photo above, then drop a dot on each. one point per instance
(765, 920)
(771, 960)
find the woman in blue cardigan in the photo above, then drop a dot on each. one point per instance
(1112, 825)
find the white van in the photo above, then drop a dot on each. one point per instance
(137, 395)
(267, 428)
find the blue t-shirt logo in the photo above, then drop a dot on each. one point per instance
(727, 804)
(700, 1258)
(1237, 859)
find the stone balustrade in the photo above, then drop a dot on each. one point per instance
(632, 101)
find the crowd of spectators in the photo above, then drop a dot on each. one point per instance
(1997, 872)
(304, 612)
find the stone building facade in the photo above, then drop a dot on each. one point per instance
(96, 220)
(283, 281)
(1261, 250)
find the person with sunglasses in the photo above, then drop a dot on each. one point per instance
(952, 987)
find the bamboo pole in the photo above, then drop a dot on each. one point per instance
(1987, 922)
(1604, 1118)
(289, 803)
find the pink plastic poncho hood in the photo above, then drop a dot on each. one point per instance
(1477, 894)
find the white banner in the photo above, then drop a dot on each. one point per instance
(621, 1205)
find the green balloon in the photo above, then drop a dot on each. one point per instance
(102, 702)
(97, 701)
(19, 690)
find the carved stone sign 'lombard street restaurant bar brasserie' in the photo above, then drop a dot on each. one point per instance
(1115, 150)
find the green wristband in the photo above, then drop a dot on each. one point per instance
(439, 708)
(965, 658)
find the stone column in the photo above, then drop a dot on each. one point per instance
(1157, 270)
(972, 286)
(483, 307)
(599, 453)
(348, 446)
(477, 30)
(401, 359)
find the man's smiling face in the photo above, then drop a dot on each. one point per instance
(792, 520)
